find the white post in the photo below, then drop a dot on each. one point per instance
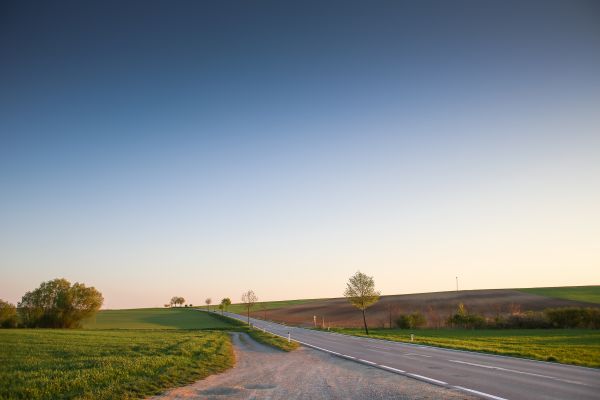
(412, 337)
(289, 337)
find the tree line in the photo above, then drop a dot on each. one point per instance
(54, 304)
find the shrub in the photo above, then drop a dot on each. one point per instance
(463, 319)
(573, 317)
(8, 315)
(411, 321)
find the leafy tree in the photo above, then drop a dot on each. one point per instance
(226, 302)
(8, 315)
(58, 304)
(360, 292)
(249, 299)
(208, 302)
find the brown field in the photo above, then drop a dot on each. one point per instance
(436, 307)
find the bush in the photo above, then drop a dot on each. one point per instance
(8, 315)
(463, 319)
(573, 317)
(58, 304)
(411, 321)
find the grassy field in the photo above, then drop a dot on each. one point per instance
(591, 294)
(269, 305)
(569, 346)
(155, 318)
(69, 364)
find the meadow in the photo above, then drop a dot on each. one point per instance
(240, 308)
(123, 354)
(590, 294)
(67, 364)
(568, 346)
(155, 318)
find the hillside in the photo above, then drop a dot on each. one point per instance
(436, 306)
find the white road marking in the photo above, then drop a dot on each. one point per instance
(393, 369)
(428, 379)
(518, 372)
(368, 362)
(486, 395)
(415, 354)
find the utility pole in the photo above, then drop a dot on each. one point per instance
(457, 283)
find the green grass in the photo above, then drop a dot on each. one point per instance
(272, 340)
(591, 294)
(155, 318)
(79, 364)
(568, 346)
(269, 305)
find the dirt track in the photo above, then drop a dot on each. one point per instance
(264, 373)
(436, 307)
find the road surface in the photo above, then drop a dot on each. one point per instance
(484, 375)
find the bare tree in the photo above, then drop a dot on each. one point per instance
(249, 299)
(208, 301)
(360, 292)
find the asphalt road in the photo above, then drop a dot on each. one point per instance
(487, 376)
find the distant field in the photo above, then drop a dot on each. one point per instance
(337, 312)
(155, 318)
(590, 294)
(569, 346)
(79, 364)
(269, 305)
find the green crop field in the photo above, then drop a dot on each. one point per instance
(269, 305)
(591, 294)
(69, 364)
(569, 346)
(155, 318)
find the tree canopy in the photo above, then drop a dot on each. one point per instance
(360, 292)
(58, 304)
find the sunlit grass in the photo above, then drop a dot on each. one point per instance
(68, 364)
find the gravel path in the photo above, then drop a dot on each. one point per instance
(265, 373)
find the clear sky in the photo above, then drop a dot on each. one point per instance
(160, 148)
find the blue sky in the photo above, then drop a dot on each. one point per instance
(154, 149)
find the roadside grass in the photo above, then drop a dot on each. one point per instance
(155, 318)
(590, 294)
(272, 340)
(80, 364)
(567, 346)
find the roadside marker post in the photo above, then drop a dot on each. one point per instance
(412, 337)
(289, 337)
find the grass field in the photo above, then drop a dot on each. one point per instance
(155, 318)
(269, 305)
(590, 294)
(69, 364)
(569, 346)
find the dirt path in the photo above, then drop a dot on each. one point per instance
(264, 373)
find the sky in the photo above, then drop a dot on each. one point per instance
(201, 149)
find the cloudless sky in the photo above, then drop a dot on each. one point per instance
(161, 148)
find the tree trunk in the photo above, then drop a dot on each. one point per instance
(365, 322)
(248, 315)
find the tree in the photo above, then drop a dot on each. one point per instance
(58, 304)
(175, 300)
(249, 299)
(226, 302)
(8, 315)
(208, 301)
(360, 292)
